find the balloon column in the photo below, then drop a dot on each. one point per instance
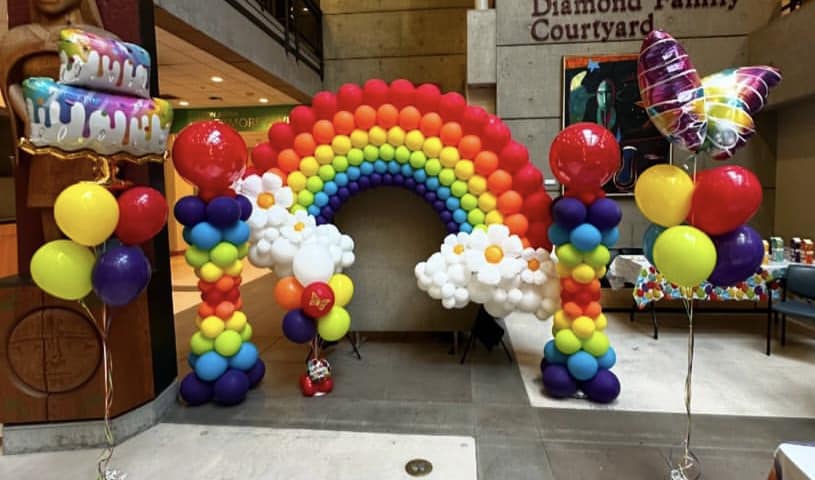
(583, 157)
(212, 156)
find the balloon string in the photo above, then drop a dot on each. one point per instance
(687, 461)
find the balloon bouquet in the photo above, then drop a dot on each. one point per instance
(699, 232)
(583, 157)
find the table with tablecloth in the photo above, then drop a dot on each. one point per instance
(794, 461)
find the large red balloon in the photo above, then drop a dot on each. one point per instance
(724, 198)
(375, 92)
(584, 156)
(427, 97)
(302, 118)
(513, 157)
(317, 299)
(211, 155)
(142, 214)
(349, 97)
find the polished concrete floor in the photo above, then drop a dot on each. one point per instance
(411, 384)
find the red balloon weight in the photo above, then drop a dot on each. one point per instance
(349, 97)
(142, 214)
(451, 106)
(538, 235)
(724, 198)
(513, 157)
(302, 119)
(473, 119)
(264, 157)
(281, 135)
(584, 156)
(324, 105)
(211, 155)
(427, 97)
(375, 92)
(402, 93)
(536, 206)
(495, 134)
(317, 299)
(527, 179)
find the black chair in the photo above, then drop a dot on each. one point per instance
(799, 282)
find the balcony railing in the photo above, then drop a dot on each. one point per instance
(297, 25)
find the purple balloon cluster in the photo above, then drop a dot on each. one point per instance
(229, 389)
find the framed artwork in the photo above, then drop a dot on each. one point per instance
(603, 89)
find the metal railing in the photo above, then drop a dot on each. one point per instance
(297, 25)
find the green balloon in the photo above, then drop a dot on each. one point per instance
(246, 333)
(417, 160)
(314, 184)
(199, 344)
(334, 325)
(305, 198)
(371, 153)
(195, 256)
(597, 344)
(243, 250)
(63, 268)
(355, 157)
(569, 256)
(447, 176)
(432, 167)
(599, 257)
(566, 342)
(228, 343)
(340, 163)
(475, 216)
(387, 152)
(402, 154)
(469, 202)
(326, 173)
(459, 188)
(224, 254)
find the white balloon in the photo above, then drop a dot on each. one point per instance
(499, 295)
(462, 296)
(283, 251)
(439, 279)
(514, 296)
(530, 301)
(551, 289)
(448, 302)
(346, 242)
(549, 306)
(313, 263)
(258, 259)
(448, 290)
(348, 259)
(434, 292)
(264, 247)
(479, 292)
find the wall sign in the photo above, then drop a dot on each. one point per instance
(242, 119)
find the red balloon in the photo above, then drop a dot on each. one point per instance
(536, 206)
(538, 235)
(264, 156)
(495, 134)
(324, 105)
(211, 155)
(724, 198)
(281, 135)
(474, 119)
(513, 157)
(302, 119)
(427, 97)
(375, 92)
(451, 106)
(349, 97)
(584, 156)
(527, 179)
(402, 93)
(142, 214)
(317, 299)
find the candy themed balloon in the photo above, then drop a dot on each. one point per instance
(672, 91)
(732, 98)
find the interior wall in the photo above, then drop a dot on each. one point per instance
(795, 170)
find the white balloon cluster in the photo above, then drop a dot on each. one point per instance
(491, 268)
(277, 235)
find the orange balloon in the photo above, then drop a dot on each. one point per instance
(304, 145)
(224, 310)
(205, 310)
(344, 122)
(450, 134)
(569, 285)
(323, 132)
(288, 160)
(205, 286)
(280, 173)
(469, 146)
(288, 292)
(594, 287)
(510, 202)
(485, 163)
(239, 304)
(517, 223)
(430, 125)
(365, 117)
(409, 118)
(225, 283)
(525, 242)
(572, 310)
(499, 182)
(593, 309)
(387, 116)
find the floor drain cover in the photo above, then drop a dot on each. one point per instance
(418, 467)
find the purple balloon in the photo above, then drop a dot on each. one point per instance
(387, 179)
(398, 179)
(256, 373)
(195, 391)
(353, 188)
(602, 388)
(120, 275)
(190, 211)
(738, 255)
(568, 212)
(440, 206)
(246, 206)
(231, 387)
(327, 212)
(223, 212)
(344, 193)
(299, 327)
(335, 202)
(320, 220)
(364, 183)
(410, 183)
(557, 382)
(604, 214)
(452, 227)
(430, 197)
(376, 179)
(446, 216)
(421, 189)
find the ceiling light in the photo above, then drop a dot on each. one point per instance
(263, 100)
(216, 79)
(183, 103)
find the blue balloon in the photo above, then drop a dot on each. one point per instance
(354, 173)
(313, 210)
(237, 234)
(366, 168)
(608, 359)
(443, 193)
(245, 358)
(380, 166)
(191, 359)
(582, 366)
(420, 175)
(432, 183)
(341, 179)
(453, 204)
(210, 366)
(610, 236)
(466, 228)
(649, 239)
(585, 237)
(223, 211)
(406, 170)
(459, 216)
(558, 235)
(205, 236)
(120, 275)
(330, 188)
(320, 199)
(552, 355)
(190, 210)
(394, 167)
(186, 234)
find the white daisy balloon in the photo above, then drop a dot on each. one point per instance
(494, 255)
(270, 199)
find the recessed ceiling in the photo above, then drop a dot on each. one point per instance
(185, 73)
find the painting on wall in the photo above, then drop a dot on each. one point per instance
(603, 89)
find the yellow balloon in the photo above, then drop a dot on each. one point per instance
(560, 321)
(87, 213)
(685, 255)
(212, 326)
(343, 289)
(582, 273)
(334, 325)
(663, 194)
(63, 269)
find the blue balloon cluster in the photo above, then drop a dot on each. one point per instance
(585, 228)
